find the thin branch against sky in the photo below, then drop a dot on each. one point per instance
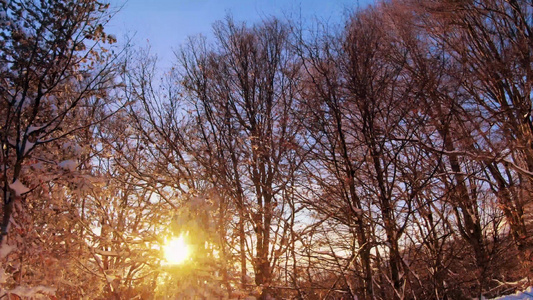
(165, 24)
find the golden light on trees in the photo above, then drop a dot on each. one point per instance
(176, 251)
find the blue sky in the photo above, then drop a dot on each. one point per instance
(166, 24)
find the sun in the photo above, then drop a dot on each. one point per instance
(176, 251)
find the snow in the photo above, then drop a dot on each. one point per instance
(28, 146)
(527, 294)
(106, 253)
(68, 164)
(12, 142)
(6, 249)
(37, 166)
(110, 278)
(19, 188)
(3, 276)
(33, 128)
(75, 148)
(36, 292)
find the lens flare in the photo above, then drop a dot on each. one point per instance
(176, 251)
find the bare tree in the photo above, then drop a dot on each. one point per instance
(55, 80)
(488, 46)
(358, 108)
(241, 94)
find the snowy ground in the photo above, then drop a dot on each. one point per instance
(527, 294)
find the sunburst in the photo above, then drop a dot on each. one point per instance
(176, 251)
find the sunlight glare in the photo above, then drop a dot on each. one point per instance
(176, 251)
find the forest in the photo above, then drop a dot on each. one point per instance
(388, 157)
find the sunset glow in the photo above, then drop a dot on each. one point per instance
(176, 251)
